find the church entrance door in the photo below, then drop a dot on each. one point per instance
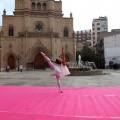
(66, 58)
(39, 62)
(11, 62)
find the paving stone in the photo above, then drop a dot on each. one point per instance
(47, 78)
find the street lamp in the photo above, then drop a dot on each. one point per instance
(18, 59)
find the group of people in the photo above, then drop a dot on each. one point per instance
(8, 68)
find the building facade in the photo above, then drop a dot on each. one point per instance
(83, 37)
(101, 49)
(98, 25)
(36, 26)
(112, 49)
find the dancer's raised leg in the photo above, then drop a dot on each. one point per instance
(48, 60)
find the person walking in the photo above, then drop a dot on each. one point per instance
(59, 66)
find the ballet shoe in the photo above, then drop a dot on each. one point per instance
(45, 57)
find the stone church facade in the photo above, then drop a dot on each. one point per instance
(36, 26)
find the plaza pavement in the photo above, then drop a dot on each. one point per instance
(47, 78)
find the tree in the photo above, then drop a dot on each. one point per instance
(87, 54)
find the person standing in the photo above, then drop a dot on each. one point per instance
(59, 67)
(21, 67)
(7, 68)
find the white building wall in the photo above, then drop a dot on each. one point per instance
(112, 49)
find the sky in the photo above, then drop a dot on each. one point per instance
(84, 11)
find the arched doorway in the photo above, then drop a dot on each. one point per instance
(39, 62)
(11, 62)
(66, 58)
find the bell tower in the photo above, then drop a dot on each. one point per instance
(22, 4)
(19, 4)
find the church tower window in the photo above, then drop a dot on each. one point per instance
(65, 32)
(44, 6)
(11, 31)
(38, 6)
(33, 5)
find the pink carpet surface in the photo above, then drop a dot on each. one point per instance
(46, 103)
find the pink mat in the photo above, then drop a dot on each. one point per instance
(46, 103)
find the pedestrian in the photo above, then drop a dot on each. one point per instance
(59, 67)
(7, 68)
(21, 67)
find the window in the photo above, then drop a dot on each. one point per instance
(98, 38)
(98, 23)
(39, 27)
(33, 6)
(10, 31)
(44, 6)
(65, 32)
(98, 28)
(38, 6)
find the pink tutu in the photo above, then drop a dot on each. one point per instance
(61, 70)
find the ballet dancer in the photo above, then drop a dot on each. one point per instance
(59, 67)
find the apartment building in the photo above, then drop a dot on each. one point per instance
(98, 25)
(112, 49)
(83, 37)
(103, 48)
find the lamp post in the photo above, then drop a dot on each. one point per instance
(18, 59)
